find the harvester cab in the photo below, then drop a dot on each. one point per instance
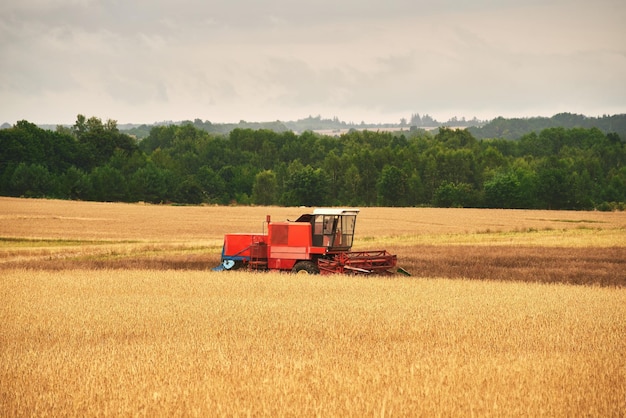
(332, 228)
(318, 242)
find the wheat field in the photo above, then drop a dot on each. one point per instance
(93, 221)
(86, 330)
(86, 343)
(519, 245)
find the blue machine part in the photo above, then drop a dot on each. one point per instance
(229, 261)
(226, 265)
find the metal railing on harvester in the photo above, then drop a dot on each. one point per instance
(358, 262)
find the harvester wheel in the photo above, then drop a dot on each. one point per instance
(305, 267)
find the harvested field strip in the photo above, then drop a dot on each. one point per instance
(583, 266)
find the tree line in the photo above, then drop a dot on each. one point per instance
(556, 168)
(515, 128)
(311, 123)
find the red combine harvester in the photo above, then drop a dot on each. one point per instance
(314, 243)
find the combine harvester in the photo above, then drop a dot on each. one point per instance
(317, 243)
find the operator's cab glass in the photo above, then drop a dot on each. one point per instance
(334, 232)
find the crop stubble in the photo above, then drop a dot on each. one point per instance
(519, 245)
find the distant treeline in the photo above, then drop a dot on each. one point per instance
(515, 128)
(555, 168)
(311, 123)
(511, 128)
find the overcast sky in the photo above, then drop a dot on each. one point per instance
(142, 61)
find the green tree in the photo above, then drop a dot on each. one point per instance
(554, 190)
(333, 166)
(265, 188)
(504, 190)
(350, 186)
(239, 180)
(365, 162)
(100, 140)
(392, 187)
(212, 185)
(456, 166)
(27, 143)
(306, 187)
(492, 159)
(31, 180)
(615, 190)
(160, 137)
(75, 184)
(416, 191)
(151, 184)
(189, 191)
(455, 195)
(109, 185)
(128, 163)
(80, 127)
(455, 138)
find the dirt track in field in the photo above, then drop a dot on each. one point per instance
(580, 266)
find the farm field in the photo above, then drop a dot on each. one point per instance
(111, 309)
(519, 245)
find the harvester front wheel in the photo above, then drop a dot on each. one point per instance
(305, 267)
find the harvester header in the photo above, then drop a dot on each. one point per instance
(317, 242)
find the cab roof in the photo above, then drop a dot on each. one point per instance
(335, 211)
(327, 211)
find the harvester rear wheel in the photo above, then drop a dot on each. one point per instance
(305, 267)
(238, 265)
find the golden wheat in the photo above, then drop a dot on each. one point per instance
(95, 221)
(163, 343)
(140, 341)
(36, 231)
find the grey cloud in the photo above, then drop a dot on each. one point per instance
(280, 57)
